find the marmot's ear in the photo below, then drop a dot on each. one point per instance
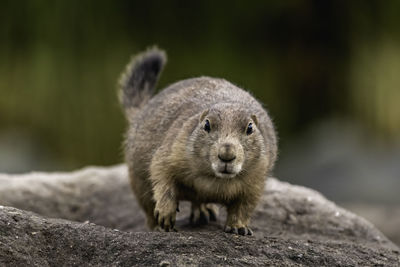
(255, 119)
(204, 114)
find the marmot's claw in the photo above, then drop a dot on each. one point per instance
(238, 231)
(203, 214)
(159, 229)
(165, 220)
(199, 217)
(156, 214)
(213, 214)
(245, 231)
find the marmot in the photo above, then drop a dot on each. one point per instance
(202, 139)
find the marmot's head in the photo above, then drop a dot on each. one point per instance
(226, 142)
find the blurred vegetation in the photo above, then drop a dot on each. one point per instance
(306, 60)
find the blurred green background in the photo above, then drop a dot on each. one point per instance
(328, 72)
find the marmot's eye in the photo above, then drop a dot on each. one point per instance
(249, 129)
(207, 126)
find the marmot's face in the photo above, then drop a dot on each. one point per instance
(227, 142)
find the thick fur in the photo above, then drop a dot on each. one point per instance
(171, 157)
(138, 82)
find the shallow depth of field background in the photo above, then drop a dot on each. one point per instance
(328, 72)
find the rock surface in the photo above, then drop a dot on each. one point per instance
(385, 217)
(79, 213)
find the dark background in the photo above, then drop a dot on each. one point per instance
(328, 72)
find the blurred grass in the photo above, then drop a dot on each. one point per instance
(376, 71)
(306, 60)
(374, 80)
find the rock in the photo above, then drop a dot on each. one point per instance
(99, 195)
(385, 217)
(102, 225)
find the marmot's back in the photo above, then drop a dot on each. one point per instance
(179, 102)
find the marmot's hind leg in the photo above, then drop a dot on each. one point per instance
(203, 213)
(150, 220)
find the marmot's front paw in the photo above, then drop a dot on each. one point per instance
(238, 230)
(165, 217)
(204, 213)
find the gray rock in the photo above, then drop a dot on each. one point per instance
(293, 226)
(385, 217)
(99, 195)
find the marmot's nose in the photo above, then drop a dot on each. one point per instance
(226, 152)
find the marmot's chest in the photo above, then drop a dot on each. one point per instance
(210, 190)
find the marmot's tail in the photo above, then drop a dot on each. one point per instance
(138, 81)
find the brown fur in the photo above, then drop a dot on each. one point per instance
(171, 157)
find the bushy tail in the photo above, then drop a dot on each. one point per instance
(138, 81)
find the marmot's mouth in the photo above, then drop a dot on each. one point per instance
(225, 174)
(225, 170)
